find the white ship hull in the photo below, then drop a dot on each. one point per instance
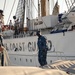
(61, 47)
(23, 51)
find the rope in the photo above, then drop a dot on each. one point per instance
(28, 8)
(37, 12)
(5, 61)
(4, 5)
(67, 4)
(68, 9)
(11, 11)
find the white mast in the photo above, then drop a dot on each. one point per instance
(27, 8)
(35, 8)
(51, 6)
(47, 7)
(32, 8)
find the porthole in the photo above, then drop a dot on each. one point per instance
(26, 60)
(15, 58)
(20, 59)
(30, 60)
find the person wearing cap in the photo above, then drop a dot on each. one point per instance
(42, 46)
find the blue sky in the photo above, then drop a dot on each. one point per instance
(9, 4)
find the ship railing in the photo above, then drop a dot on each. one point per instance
(16, 36)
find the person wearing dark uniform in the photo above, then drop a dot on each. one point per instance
(1, 39)
(1, 50)
(1, 55)
(42, 46)
(1, 20)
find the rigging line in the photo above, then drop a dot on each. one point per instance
(34, 6)
(28, 8)
(37, 12)
(69, 10)
(17, 8)
(67, 4)
(4, 5)
(11, 11)
(72, 4)
(30, 12)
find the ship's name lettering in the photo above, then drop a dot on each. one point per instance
(30, 46)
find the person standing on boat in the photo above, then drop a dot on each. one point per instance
(1, 39)
(28, 23)
(1, 50)
(1, 20)
(16, 25)
(42, 46)
(10, 24)
(1, 55)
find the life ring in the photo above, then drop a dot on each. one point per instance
(49, 45)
